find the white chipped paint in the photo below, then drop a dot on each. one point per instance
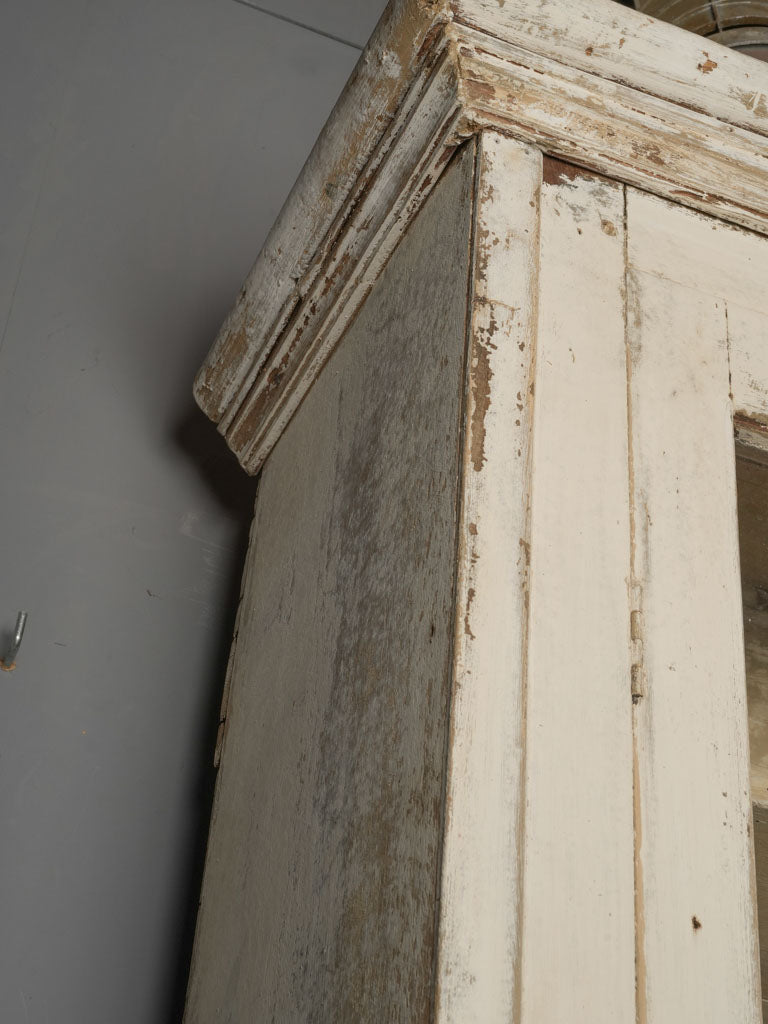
(318, 900)
(328, 180)
(621, 45)
(698, 942)
(424, 145)
(597, 862)
(602, 86)
(479, 953)
(617, 129)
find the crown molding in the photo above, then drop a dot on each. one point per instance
(590, 81)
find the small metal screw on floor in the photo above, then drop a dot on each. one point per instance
(8, 662)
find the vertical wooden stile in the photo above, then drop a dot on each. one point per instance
(698, 937)
(579, 828)
(479, 946)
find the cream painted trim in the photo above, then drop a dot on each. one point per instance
(587, 80)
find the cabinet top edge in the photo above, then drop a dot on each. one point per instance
(678, 109)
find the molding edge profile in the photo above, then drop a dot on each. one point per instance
(590, 82)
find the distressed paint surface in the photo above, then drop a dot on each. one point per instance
(595, 631)
(748, 341)
(578, 919)
(402, 49)
(621, 45)
(589, 81)
(322, 872)
(340, 280)
(481, 884)
(615, 129)
(697, 941)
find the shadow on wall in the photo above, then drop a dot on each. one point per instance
(235, 491)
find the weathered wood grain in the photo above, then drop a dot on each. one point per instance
(618, 44)
(612, 128)
(393, 839)
(401, 52)
(591, 82)
(323, 863)
(697, 937)
(578, 845)
(340, 279)
(479, 962)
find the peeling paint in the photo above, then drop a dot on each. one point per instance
(708, 65)
(526, 549)
(481, 376)
(753, 100)
(470, 598)
(620, 122)
(558, 172)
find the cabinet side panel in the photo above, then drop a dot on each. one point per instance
(319, 896)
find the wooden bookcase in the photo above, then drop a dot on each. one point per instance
(485, 741)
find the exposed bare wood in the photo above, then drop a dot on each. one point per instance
(617, 44)
(479, 965)
(383, 87)
(599, 85)
(496, 542)
(612, 128)
(342, 278)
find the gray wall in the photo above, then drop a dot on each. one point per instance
(146, 149)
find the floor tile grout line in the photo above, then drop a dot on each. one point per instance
(298, 24)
